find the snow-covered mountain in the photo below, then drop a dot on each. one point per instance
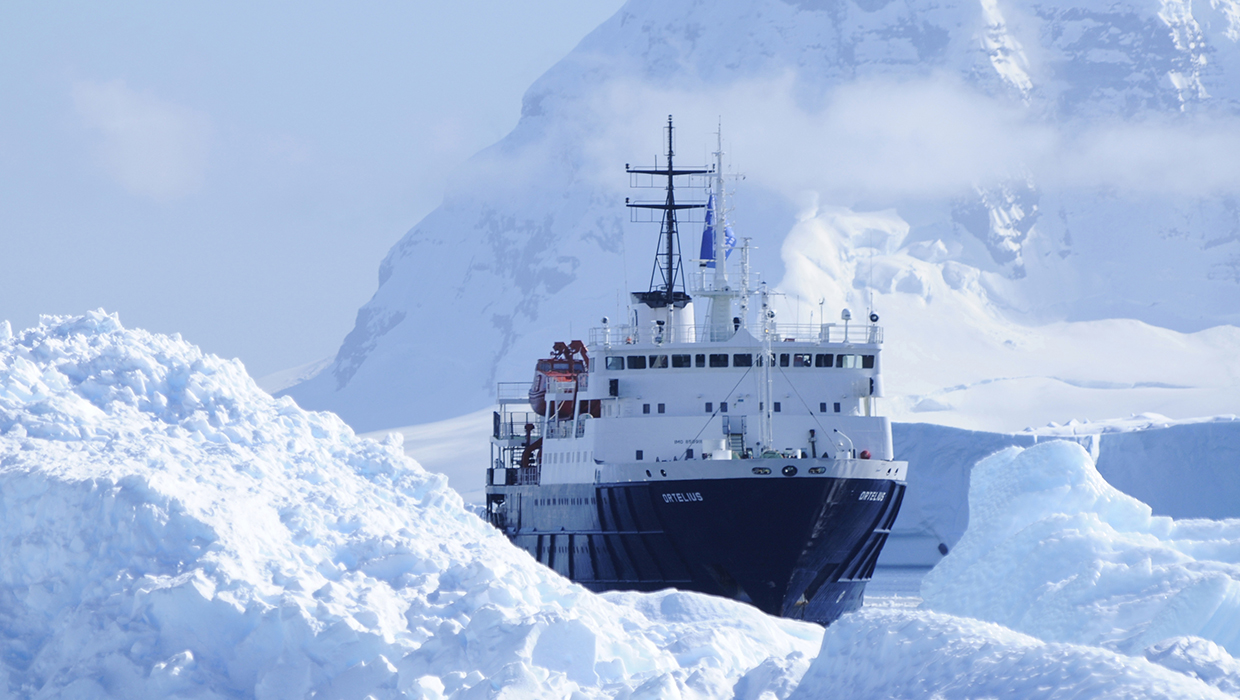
(1000, 177)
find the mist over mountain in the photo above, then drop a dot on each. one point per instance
(1002, 180)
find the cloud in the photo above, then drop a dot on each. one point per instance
(884, 139)
(152, 147)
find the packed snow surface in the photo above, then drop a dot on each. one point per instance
(168, 529)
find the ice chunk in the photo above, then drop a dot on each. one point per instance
(888, 653)
(1054, 551)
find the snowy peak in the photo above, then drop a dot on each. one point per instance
(1074, 159)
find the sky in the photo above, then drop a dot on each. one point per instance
(235, 172)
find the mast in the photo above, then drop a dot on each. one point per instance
(765, 429)
(667, 287)
(720, 319)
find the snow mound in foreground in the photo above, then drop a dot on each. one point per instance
(169, 529)
(880, 654)
(1055, 551)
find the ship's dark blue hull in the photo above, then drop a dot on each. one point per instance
(798, 547)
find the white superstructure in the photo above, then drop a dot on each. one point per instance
(668, 386)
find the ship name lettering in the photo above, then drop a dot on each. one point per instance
(682, 497)
(871, 496)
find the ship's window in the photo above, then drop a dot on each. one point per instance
(680, 361)
(615, 362)
(639, 458)
(710, 407)
(661, 408)
(723, 406)
(699, 360)
(867, 362)
(645, 408)
(802, 360)
(658, 361)
(783, 359)
(637, 361)
(822, 407)
(837, 406)
(848, 361)
(742, 360)
(776, 406)
(821, 360)
(719, 360)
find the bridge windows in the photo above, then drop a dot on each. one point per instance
(645, 408)
(710, 407)
(661, 407)
(855, 361)
(740, 359)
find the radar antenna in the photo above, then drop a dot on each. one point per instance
(667, 284)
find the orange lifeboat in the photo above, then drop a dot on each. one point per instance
(564, 366)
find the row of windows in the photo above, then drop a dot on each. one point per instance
(776, 406)
(563, 501)
(739, 359)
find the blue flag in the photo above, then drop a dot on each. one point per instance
(708, 237)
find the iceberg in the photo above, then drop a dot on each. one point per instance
(1054, 551)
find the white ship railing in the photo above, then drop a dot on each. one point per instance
(511, 425)
(702, 281)
(512, 392)
(782, 332)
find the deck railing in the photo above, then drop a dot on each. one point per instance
(782, 332)
(512, 392)
(510, 425)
